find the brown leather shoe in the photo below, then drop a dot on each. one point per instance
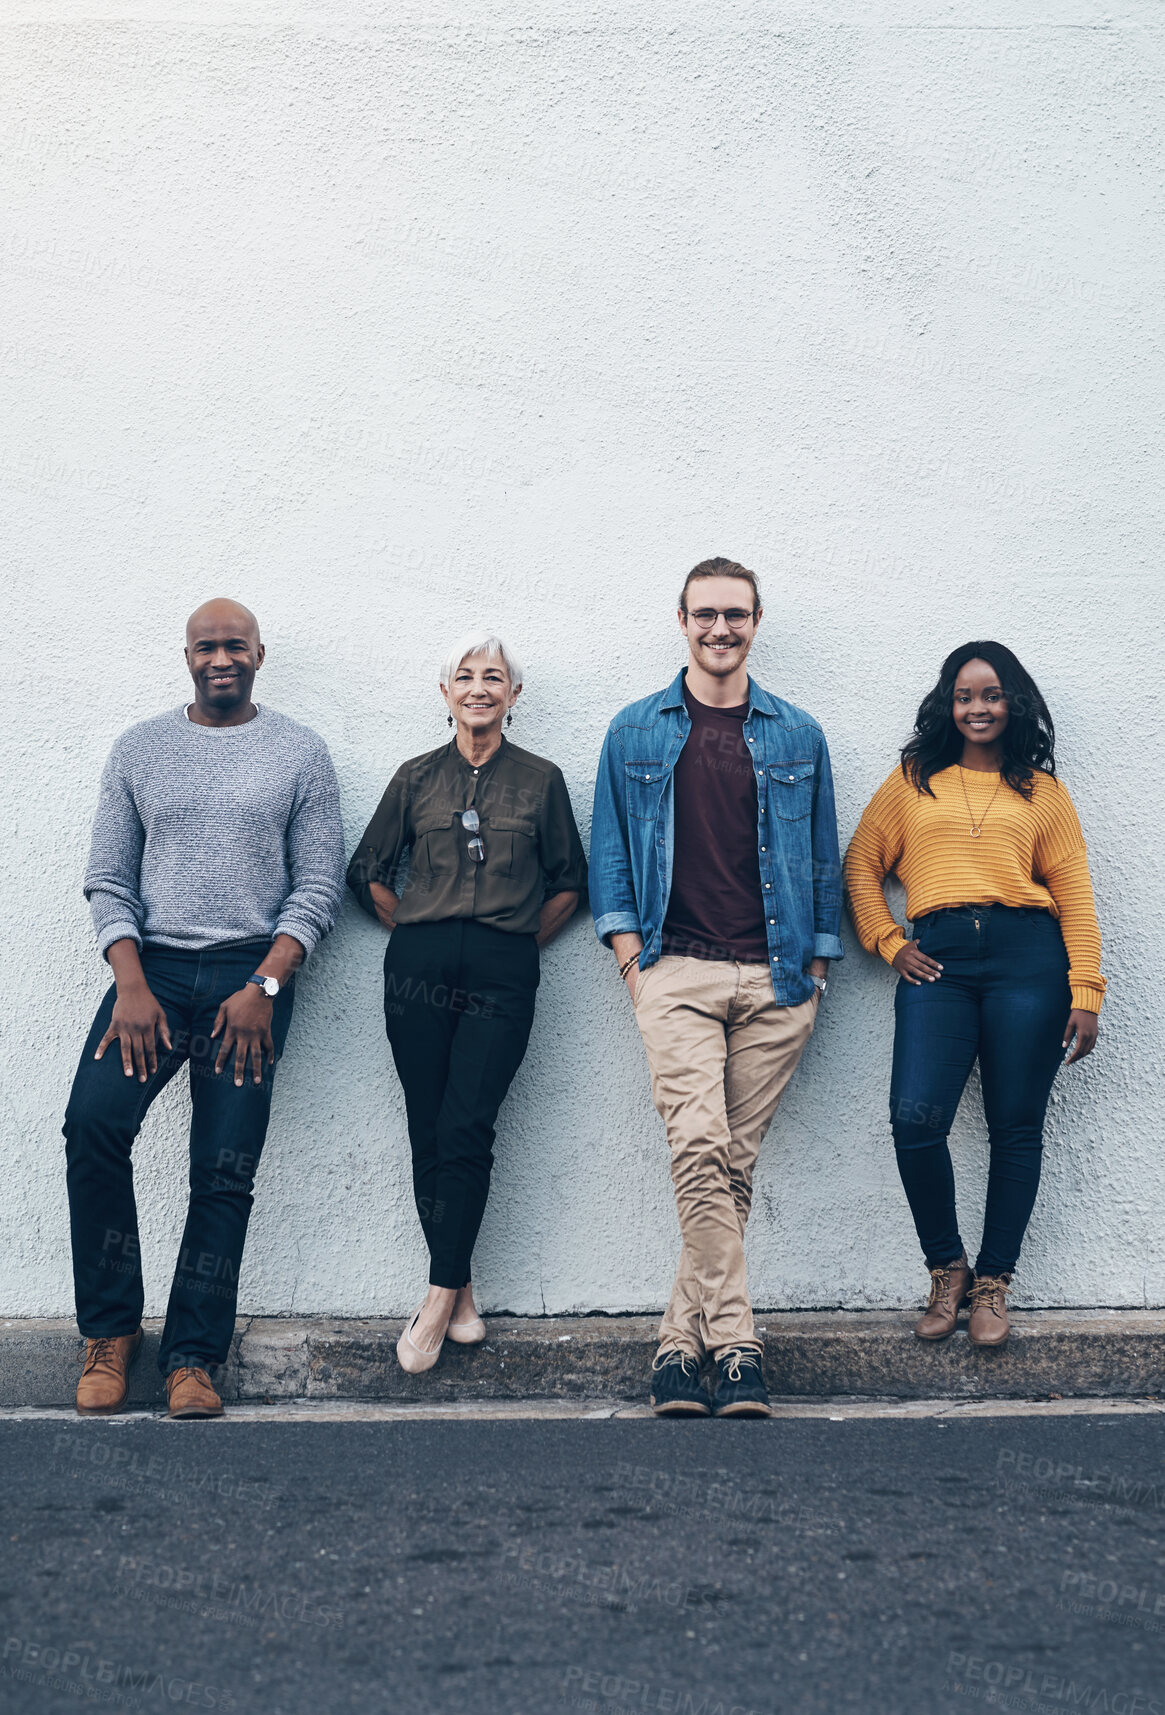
(989, 1325)
(191, 1393)
(949, 1290)
(103, 1383)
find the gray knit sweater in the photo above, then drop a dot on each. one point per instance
(211, 834)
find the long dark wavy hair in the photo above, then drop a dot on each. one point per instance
(1029, 739)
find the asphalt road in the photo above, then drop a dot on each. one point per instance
(511, 1568)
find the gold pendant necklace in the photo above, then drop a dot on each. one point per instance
(977, 827)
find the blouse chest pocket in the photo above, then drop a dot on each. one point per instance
(511, 844)
(791, 789)
(436, 837)
(644, 789)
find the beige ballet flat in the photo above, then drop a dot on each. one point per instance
(414, 1359)
(470, 1333)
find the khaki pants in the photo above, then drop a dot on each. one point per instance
(720, 1051)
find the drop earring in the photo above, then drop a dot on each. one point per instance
(510, 718)
(448, 720)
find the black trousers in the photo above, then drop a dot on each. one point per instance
(228, 1125)
(458, 1007)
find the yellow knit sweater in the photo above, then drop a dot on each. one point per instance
(1027, 854)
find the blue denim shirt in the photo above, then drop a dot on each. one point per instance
(633, 831)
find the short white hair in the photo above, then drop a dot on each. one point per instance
(482, 642)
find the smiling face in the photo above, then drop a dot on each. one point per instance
(718, 644)
(480, 695)
(223, 653)
(979, 707)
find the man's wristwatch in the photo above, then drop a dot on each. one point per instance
(269, 985)
(820, 983)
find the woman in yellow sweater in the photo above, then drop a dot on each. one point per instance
(1004, 964)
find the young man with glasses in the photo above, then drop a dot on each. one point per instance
(715, 879)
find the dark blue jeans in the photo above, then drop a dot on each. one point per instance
(227, 1127)
(1003, 996)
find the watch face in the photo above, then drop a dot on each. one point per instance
(270, 986)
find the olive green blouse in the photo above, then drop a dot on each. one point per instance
(532, 846)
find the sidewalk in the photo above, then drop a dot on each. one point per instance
(808, 1355)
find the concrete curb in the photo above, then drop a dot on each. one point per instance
(808, 1355)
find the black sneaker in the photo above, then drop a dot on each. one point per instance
(741, 1390)
(675, 1386)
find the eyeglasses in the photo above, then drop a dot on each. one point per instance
(706, 617)
(471, 822)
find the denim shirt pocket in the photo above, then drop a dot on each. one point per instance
(644, 787)
(791, 789)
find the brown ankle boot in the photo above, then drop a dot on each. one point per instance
(989, 1325)
(949, 1287)
(103, 1383)
(190, 1392)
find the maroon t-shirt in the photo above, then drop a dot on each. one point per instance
(715, 909)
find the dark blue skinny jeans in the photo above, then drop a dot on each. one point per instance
(1003, 996)
(227, 1127)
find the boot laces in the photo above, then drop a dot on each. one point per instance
(103, 1352)
(188, 1372)
(990, 1293)
(940, 1278)
(673, 1356)
(100, 1352)
(733, 1358)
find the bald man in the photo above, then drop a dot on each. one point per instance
(217, 863)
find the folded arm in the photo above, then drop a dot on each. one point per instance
(871, 857)
(315, 857)
(375, 859)
(612, 885)
(113, 874)
(826, 869)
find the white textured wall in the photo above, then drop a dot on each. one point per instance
(382, 317)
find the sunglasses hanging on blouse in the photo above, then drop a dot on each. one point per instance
(471, 822)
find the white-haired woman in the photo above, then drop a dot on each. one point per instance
(496, 867)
